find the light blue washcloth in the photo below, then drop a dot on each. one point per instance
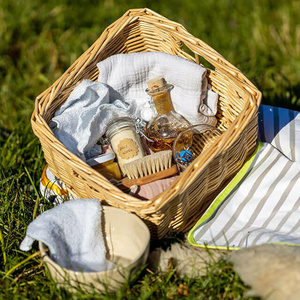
(82, 120)
(72, 231)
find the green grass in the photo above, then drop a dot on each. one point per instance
(39, 41)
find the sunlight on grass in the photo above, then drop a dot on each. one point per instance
(40, 40)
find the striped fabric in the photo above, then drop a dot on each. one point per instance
(262, 203)
(281, 128)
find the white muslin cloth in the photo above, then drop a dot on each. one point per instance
(127, 75)
(72, 231)
(120, 92)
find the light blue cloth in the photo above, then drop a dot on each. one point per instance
(82, 120)
(73, 233)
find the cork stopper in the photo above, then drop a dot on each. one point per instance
(159, 91)
(156, 83)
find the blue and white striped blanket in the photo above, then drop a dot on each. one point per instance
(262, 203)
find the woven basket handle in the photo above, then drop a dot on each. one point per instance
(176, 30)
(196, 45)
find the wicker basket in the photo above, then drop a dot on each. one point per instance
(182, 204)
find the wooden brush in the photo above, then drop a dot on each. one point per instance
(149, 168)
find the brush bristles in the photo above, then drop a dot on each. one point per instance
(150, 164)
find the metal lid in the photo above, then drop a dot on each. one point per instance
(117, 124)
(101, 159)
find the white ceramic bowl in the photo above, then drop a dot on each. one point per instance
(127, 239)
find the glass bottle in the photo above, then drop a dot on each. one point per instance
(167, 124)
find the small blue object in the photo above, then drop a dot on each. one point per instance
(186, 155)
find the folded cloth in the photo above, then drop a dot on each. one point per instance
(127, 75)
(209, 108)
(72, 231)
(82, 120)
(262, 203)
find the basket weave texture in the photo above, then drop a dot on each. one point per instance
(181, 205)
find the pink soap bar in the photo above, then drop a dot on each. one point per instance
(152, 189)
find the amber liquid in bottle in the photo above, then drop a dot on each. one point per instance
(167, 124)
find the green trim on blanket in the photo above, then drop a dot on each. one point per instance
(237, 248)
(286, 244)
(233, 183)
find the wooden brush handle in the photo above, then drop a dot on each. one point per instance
(150, 178)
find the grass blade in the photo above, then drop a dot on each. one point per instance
(21, 263)
(37, 195)
(3, 248)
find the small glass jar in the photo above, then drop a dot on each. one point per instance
(192, 141)
(105, 165)
(125, 141)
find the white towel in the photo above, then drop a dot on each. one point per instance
(72, 231)
(127, 75)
